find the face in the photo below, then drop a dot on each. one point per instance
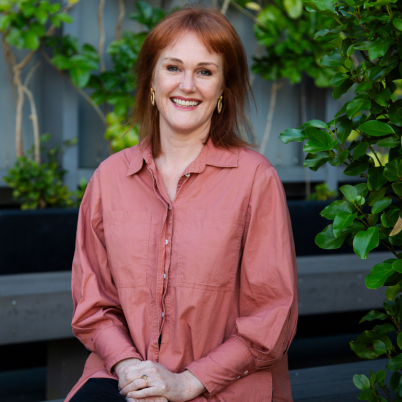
(188, 81)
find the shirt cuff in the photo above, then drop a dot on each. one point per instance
(223, 365)
(114, 344)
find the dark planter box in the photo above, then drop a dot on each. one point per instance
(37, 241)
(307, 223)
(44, 240)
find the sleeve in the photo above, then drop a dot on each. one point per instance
(268, 299)
(98, 320)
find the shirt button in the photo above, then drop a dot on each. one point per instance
(238, 377)
(170, 207)
(166, 241)
(164, 275)
(163, 313)
(188, 175)
(245, 372)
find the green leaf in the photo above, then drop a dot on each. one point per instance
(61, 62)
(376, 128)
(397, 187)
(361, 382)
(376, 176)
(340, 158)
(79, 77)
(389, 142)
(341, 89)
(393, 291)
(392, 169)
(395, 363)
(399, 340)
(379, 347)
(378, 275)
(374, 315)
(349, 192)
(292, 134)
(360, 150)
(376, 195)
(31, 41)
(356, 168)
(397, 22)
(341, 221)
(314, 161)
(356, 105)
(5, 21)
(344, 129)
(319, 140)
(364, 86)
(316, 123)
(395, 113)
(294, 8)
(383, 97)
(397, 266)
(379, 206)
(379, 47)
(338, 79)
(334, 208)
(327, 240)
(366, 241)
(384, 328)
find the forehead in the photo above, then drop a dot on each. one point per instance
(189, 47)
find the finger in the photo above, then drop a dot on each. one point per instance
(135, 385)
(144, 393)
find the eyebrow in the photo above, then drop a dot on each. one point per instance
(204, 63)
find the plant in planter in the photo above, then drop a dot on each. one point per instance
(40, 186)
(369, 213)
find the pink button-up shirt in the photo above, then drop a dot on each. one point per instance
(213, 273)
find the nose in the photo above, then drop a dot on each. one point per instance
(187, 84)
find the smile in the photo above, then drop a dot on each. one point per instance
(184, 103)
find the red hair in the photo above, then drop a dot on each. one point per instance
(218, 35)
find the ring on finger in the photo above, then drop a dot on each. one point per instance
(145, 377)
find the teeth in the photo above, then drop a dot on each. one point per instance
(181, 102)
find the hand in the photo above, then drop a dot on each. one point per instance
(121, 372)
(150, 399)
(161, 382)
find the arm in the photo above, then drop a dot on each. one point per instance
(268, 291)
(98, 320)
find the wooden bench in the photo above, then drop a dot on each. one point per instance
(329, 383)
(38, 307)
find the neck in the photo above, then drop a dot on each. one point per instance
(180, 149)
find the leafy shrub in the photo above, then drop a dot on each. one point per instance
(369, 55)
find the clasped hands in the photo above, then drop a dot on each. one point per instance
(163, 385)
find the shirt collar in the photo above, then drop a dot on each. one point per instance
(209, 155)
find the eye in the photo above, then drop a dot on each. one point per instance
(206, 72)
(172, 68)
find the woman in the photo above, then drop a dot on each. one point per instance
(184, 274)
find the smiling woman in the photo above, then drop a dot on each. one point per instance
(184, 275)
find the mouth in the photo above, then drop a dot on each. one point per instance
(183, 103)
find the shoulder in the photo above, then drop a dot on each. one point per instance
(117, 164)
(254, 163)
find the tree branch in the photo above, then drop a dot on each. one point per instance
(101, 35)
(122, 13)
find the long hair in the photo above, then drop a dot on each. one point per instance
(219, 36)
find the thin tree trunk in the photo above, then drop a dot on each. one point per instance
(225, 7)
(276, 86)
(122, 13)
(101, 34)
(19, 149)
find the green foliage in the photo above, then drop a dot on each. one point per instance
(369, 54)
(41, 186)
(24, 22)
(323, 192)
(287, 32)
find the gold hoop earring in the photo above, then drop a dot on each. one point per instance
(152, 97)
(219, 107)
